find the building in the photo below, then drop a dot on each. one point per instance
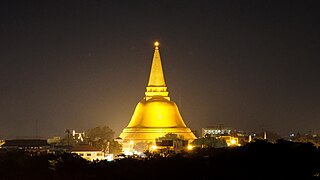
(27, 145)
(156, 114)
(78, 137)
(216, 131)
(171, 142)
(89, 152)
(61, 149)
(54, 140)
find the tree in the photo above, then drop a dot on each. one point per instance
(67, 140)
(100, 136)
(115, 148)
(209, 142)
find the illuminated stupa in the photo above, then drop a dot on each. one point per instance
(155, 115)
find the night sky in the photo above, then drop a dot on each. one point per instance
(250, 65)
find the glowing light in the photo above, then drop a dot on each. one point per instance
(154, 147)
(190, 147)
(156, 44)
(109, 157)
(127, 153)
(233, 141)
(1, 143)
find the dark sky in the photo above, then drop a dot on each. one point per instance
(250, 65)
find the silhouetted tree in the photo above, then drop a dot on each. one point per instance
(100, 136)
(209, 142)
(115, 148)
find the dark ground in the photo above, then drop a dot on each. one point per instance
(258, 160)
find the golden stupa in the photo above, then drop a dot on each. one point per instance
(156, 115)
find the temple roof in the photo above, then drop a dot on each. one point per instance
(26, 143)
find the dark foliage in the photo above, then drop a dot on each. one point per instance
(258, 160)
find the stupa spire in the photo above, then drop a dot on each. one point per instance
(156, 85)
(156, 74)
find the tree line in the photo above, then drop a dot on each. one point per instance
(256, 160)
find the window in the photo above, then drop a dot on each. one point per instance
(88, 154)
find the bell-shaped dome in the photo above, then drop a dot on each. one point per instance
(156, 112)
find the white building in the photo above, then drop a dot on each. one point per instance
(216, 131)
(89, 153)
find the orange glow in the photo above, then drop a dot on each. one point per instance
(231, 141)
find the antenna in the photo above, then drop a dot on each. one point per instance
(36, 128)
(180, 106)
